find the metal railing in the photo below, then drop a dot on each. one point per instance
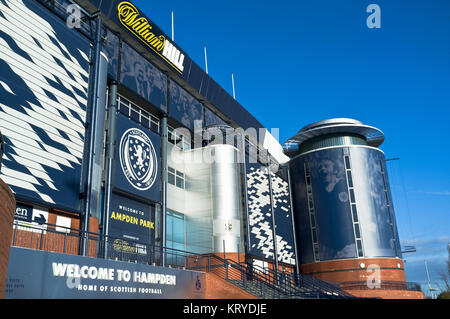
(260, 282)
(66, 240)
(303, 280)
(382, 285)
(266, 283)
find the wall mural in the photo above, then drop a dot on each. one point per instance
(42, 113)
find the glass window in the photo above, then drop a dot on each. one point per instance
(176, 178)
(347, 162)
(137, 114)
(180, 182)
(314, 234)
(349, 178)
(352, 195)
(171, 179)
(357, 232)
(313, 220)
(355, 213)
(175, 237)
(134, 113)
(360, 250)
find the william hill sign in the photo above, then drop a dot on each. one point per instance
(142, 28)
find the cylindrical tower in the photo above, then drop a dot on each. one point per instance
(344, 218)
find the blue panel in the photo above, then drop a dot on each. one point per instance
(137, 165)
(183, 107)
(300, 204)
(143, 78)
(131, 228)
(259, 210)
(60, 276)
(43, 98)
(192, 74)
(111, 49)
(331, 203)
(375, 209)
(283, 218)
(212, 118)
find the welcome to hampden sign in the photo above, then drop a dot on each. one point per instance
(45, 275)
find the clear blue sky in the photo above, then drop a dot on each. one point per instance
(297, 62)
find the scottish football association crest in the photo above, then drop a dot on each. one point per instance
(138, 159)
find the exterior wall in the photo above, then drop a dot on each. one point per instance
(43, 100)
(7, 208)
(348, 211)
(262, 204)
(350, 275)
(350, 270)
(211, 199)
(387, 294)
(217, 288)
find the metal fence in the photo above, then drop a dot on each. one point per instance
(262, 283)
(72, 241)
(383, 285)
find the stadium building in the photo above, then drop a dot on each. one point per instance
(128, 172)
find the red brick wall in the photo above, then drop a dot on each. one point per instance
(387, 294)
(7, 209)
(59, 242)
(217, 288)
(350, 269)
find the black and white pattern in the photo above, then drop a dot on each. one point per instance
(43, 95)
(260, 216)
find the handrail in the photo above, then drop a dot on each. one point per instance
(383, 285)
(67, 240)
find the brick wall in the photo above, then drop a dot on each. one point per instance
(356, 271)
(7, 209)
(217, 288)
(345, 270)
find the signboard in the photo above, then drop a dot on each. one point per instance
(137, 168)
(144, 30)
(131, 227)
(45, 275)
(32, 219)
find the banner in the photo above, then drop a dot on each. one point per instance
(137, 164)
(131, 228)
(44, 275)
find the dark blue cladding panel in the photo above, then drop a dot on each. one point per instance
(143, 78)
(191, 74)
(137, 168)
(259, 211)
(183, 107)
(283, 218)
(43, 98)
(131, 220)
(44, 275)
(111, 50)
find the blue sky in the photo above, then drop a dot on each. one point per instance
(297, 62)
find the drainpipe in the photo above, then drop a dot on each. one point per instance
(274, 233)
(164, 188)
(110, 156)
(94, 135)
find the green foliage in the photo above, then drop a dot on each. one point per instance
(444, 295)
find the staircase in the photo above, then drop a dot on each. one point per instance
(266, 284)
